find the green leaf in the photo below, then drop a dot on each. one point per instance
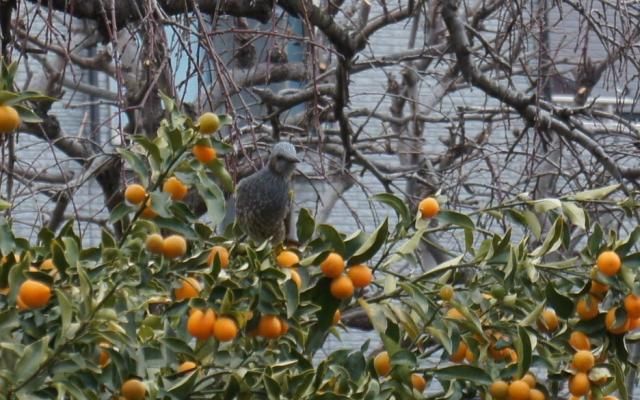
(562, 304)
(329, 234)
(305, 226)
(372, 245)
(456, 218)
(4, 205)
(544, 205)
(595, 194)
(553, 240)
(533, 222)
(137, 164)
(524, 350)
(7, 240)
(184, 386)
(464, 372)
(27, 115)
(31, 359)
(398, 205)
(66, 313)
(151, 148)
(291, 296)
(575, 214)
(620, 378)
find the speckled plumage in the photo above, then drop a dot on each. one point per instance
(262, 201)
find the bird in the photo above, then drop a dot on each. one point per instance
(263, 198)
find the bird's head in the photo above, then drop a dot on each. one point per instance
(283, 159)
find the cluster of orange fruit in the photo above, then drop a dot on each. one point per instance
(382, 365)
(517, 389)
(204, 324)
(289, 260)
(343, 284)
(136, 194)
(173, 246)
(270, 327)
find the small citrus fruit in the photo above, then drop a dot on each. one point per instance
(34, 294)
(519, 390)
(536, 394)
(579, 341)
(579, 385)
(222, 254)
(154, 243)
(583, 360)
(332, 266)
(9, 119)
(418, 382)
(360, 275)
(174, 246)
(499, 390)
(148, 212)
(204, 154)
(530, 379)
(453, 313)
(269, 326)
(446, 292)
(382, 363)
(588, 307)
(47, 265)
(285, 327)
(135, 193)
(287, 259)
(208, 123)
(133, 389)
(609, 263)
(20, 304)
(342, 287)
(460, 352)
(610, 323)
(295, 277)
(548, 321)
(336, 317)
(429, 207)
(187, 366)
(598, 289)
(200, 324)
(190, 288)
(632, 305)
(225, 329)
(175, 188)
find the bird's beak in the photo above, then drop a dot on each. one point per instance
(294, 159)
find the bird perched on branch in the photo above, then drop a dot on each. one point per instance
(262, 199)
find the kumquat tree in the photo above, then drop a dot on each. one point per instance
(174, 309)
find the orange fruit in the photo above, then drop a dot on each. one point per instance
(499, 390)
(583, 360)
(598, 289)
(9, 119)
(332, 266)
(609, 263)
(223, 256)
(147, 211)
(154, 243)
(285, 327)
(579, 385)
(174, 246)
(269, 326)
(530, 379)
(287, 259)
(610, 323)
(453, 313)
(609, 398)
(135, 194)
(632, 305)
(208, 123)
(469, 356)
(225, 329)
(418, 382)
(133, 389)
(175, 188)
(47, 264)
(519, 390)
(360, 275)
(460, 352)
(634, 324)
(588, 307)
(342, 287)
(429, 207)
(204, 154)
(548, 321)
(34, 294)
(190, 288)
(336, 317)
(579, 341)
(446, 292)
(382, 363)
(200, 324)
(187, 366)
(104, 358)
(295, 277)
(536, 394)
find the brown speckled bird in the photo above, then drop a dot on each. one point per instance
(262, 201)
